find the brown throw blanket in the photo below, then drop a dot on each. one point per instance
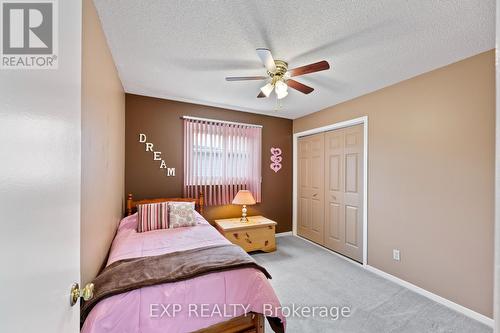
(129, 274)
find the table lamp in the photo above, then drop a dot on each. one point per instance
(244, 197)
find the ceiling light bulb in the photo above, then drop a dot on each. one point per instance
(281, 89)
(281, 94)
(280, 86)
(267, 89)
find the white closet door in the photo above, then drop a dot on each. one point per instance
(310, 222)
(344, 191)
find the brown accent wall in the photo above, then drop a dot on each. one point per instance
(103, 146)
(431, 178)
(161, 121)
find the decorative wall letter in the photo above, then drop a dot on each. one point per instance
(275, 159)
(170, 172)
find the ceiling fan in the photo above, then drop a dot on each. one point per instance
(280, 77)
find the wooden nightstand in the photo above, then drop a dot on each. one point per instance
(256, 234)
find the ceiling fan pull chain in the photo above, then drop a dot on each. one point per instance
(279, 104)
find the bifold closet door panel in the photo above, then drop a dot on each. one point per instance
(353, 192)
(310, 219)
(344, 191)
(334, 194)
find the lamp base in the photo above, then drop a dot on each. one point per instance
(243, 218)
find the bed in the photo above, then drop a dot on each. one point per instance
(236, 299)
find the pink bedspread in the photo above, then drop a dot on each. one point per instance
(183, 306)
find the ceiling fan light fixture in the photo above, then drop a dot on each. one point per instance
(267, 89)
(281, 88)
(281, 94)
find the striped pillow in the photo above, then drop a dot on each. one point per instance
(152, 216)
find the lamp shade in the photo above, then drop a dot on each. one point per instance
(267, 89)
(281, 89)
(244, 197)
(282, 94)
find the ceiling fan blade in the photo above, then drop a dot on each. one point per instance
(299, 86)
(245, 78)
(267, 59)
(261, 95)
(311, 68)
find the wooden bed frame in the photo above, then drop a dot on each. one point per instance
(132, 204)
(249, 323)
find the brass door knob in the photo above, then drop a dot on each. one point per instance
(86, 293)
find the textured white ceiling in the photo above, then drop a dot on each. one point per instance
(182, 50)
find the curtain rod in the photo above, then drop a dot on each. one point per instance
(220, 121)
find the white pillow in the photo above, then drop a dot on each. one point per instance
(181, 214)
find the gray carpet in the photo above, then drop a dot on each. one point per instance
(305, 274)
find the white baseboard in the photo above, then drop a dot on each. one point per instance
(436, 298)
(286, 233)
(330, 251)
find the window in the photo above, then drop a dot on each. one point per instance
(221, 158)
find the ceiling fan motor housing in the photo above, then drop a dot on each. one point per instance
(281, 69)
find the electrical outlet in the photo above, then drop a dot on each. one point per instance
(395, 254)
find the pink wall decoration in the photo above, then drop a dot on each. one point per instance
(276, 159)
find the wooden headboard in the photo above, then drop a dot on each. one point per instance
(132, 204)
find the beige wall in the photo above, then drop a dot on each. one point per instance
(103, 146)
(431, 178)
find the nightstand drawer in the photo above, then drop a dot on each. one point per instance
(253, 239)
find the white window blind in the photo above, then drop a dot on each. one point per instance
(221, 158)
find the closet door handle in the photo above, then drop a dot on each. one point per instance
(315, 194)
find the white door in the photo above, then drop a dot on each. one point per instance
(344, 191)
(334, 194)
(311, 220)
(40, 188)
